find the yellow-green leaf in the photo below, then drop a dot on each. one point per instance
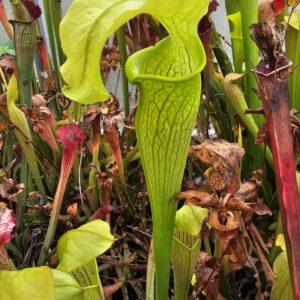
(22, 132)
(87, 277)
(31, 283)
(280, 242)
(189, 219)
(79, 246)
(236, 35)
(168, 76)
(282, 288)
(87, 25)
(66, 287)
(294, 19)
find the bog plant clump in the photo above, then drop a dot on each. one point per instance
(138, 161)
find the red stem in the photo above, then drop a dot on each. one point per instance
(272, 78)
(66, 167)
(279, 130)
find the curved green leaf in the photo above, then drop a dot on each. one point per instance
(280, 242)
(168, 76)
(237, 99)
(249, 15)
(83, 31)
(282, 288)
(164, 120)
(294, 19)
(88, 24)
(31, 283)
(186, 246)
(66, 287)
(79, 246)
(237, 41)
(88, 278)
(22, 132)
(189, 219)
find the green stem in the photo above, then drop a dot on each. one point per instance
(296, 76)
(56, 16)
(95, 197)
(76, 111)
(249, 15)
(50, 30)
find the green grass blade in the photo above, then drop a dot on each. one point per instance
(292, 36)
(249, 15)
(52, 43)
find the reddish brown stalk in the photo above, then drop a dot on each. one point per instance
(47, 77)
(109, 290)
(48, 116)
(43, 123)
(106, 188)
(112, 135)
(93, 196)
(4, 20)
(71, 138)
(205, 28)
(272, 78)
(102, 213)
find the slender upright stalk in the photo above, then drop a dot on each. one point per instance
(123, 53)
(4, 21)
(25, 41)
(53, 46)
(66, 168)
(272, 77)
(249, 15)
(296, 75)
(94, 197)
(56, 15)
(71, 137)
